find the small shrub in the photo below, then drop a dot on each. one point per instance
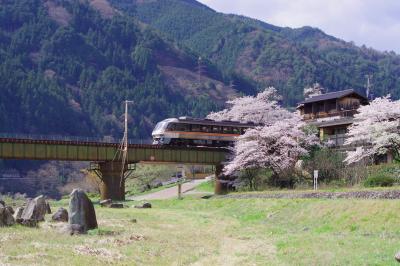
(379, 181)
(332, 170)
(253, 180)
(392, 170)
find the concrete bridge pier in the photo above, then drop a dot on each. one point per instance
(221, 186)
(113, 184)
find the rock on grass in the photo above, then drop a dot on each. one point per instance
(60, 216)
(6, 217)
(81, 211)
(34, 211)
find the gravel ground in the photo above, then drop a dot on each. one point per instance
(385, 194)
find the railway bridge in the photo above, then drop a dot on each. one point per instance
(102, 157)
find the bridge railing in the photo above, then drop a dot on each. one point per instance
(106, 139)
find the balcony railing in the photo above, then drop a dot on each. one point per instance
(343, 113)
(338, 140)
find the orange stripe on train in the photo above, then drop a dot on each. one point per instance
(204, 133)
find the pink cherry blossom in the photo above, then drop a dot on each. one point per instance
(262, 108)
(376, 130)
(276, 144)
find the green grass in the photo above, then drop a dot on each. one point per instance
(207, 186)
(219, 232)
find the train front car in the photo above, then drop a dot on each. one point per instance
(160, 134)
(198, 132)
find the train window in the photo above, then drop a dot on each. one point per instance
(179, 127)
(160, 126)
(236, 130)
(205, 128)
(171, 127)
(185, 127)
(216, 129)
(227, 130)
(196, 128)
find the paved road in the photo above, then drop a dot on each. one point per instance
(172, 192)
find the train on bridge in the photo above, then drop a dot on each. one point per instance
(186, 131)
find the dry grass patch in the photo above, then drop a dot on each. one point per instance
(219, 232)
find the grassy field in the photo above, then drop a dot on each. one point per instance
(207, 186)
(219, 232)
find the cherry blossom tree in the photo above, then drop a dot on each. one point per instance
(313, 90)
(276, 144)
(376, 130)
(277, 147)
(263, 108)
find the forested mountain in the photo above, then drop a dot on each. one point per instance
(288, 59)
(67, 66)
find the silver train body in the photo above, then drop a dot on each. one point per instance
(185, 131)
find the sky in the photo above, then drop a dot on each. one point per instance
(374, 23)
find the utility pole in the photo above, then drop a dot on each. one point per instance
(181, 179)
(369, 77)
(125, 139)
(123, 148)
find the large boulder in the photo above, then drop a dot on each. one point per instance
(10, 209)
(60, 216)
(18, 213)
(6, 217)
(81, 211)
(34, 211)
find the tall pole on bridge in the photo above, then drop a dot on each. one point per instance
(124, 143)
(125, 139)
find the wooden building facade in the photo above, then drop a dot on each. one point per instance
(332, 113)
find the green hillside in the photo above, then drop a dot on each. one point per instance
(289, 59)
(67, 66)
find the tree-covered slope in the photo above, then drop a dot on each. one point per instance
(289, 59)
(67, 66)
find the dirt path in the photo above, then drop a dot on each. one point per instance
(171, 192)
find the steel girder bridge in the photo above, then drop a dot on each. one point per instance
(112, 172)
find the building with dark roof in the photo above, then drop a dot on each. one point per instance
(332, 113)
